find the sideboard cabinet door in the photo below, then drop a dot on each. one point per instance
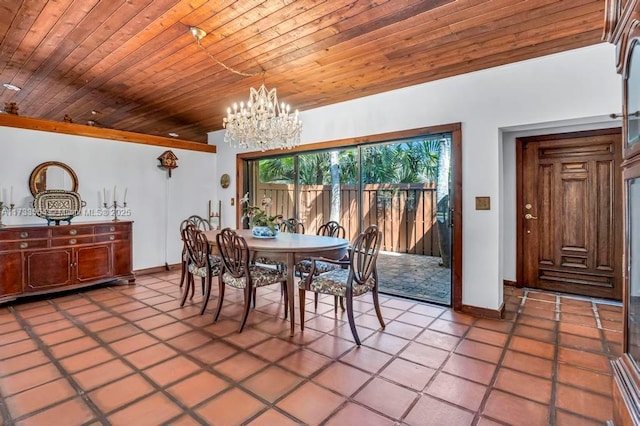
(11, 273)
(48, 268)
(93, 262)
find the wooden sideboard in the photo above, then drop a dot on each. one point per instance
(39, 259)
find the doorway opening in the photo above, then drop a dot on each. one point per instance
(569, 213)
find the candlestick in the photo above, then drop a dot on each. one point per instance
(125, 195)
(115, 199)
(104, 195)
(115, 206)
(4, 209)
(11, 195)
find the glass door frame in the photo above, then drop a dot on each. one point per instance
(455, 129)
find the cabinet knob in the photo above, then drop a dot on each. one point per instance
(112, 237)
(72, 241)
(73, 232)
(111, 229)
(24, 234)
(24, 245)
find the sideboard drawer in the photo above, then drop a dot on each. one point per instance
(71, 231)
(71, 241)
(114, 227)
(120, 236)
(23, 245)
(24, 234)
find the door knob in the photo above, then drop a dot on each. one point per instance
(529, 216)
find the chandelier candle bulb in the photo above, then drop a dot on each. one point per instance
(262, 123)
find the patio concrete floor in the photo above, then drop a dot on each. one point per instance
(414, 276)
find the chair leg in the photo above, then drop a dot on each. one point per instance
(192, 285)
(301, 295)
(203, 285)
(286, 300)
(254, 297)
(342, 303)
(376, 304)
(315, 301)
(335, 303)
(207, 295)
(185, 293)
(248, 291)
(220, 299)
(352, 323)
(183, 272)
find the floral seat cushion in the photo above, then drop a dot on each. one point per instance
(334, 283)
(267, 261)
(202, 272)
(304, 267)
(260, 276)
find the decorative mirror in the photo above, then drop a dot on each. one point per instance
(54, 186)
(53, 175)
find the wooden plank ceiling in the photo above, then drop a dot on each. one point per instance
(135, 63)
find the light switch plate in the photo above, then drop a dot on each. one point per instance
(483, 203)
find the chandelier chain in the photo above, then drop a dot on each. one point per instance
(228, 68)
(262, 123)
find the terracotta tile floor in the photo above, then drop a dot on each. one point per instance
(130, 355)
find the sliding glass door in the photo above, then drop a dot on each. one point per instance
(402, 186)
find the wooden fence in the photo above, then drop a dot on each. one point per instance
(405, 213)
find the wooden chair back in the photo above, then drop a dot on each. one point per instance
(196, 245)
(332, 229)
(234, 252)
(364, 254)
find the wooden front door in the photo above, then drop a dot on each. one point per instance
(570, 213)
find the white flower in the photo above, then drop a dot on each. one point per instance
(245, 199)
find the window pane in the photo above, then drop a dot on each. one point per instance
(328, 190)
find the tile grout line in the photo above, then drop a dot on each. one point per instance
(554, 368)
(47, 352)
(491, 385)
(136, 370)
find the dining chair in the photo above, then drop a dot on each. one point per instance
(201, 224)
(329, 229)
(238, 272)
(200, 262)
(359, 277)
(292, 225)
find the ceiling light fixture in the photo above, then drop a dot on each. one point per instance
(11, 87)
(262, 123)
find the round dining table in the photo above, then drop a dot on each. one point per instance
(290, 248)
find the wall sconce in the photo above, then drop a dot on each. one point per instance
(168, 161)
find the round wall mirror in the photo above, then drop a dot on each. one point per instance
(52, 175)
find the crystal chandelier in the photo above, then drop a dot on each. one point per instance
(261, 123)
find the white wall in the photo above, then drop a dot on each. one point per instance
(157, 204)
(566, 86)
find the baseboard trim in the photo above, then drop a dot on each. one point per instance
(510, 283)
(157, 269)
(483, 312)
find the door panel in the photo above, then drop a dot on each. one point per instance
(571, 213)
(48, 268)
(94, 262)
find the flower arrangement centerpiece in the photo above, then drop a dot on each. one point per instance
(262, 224)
